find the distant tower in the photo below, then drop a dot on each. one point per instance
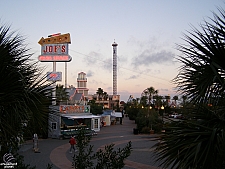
(82, 84)
(114, 68)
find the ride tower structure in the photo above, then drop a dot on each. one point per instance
(114, 68)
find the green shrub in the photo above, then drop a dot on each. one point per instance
(145, 130)
(106, 158)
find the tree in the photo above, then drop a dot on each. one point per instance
(149, 93)
(199, 142)
(158, 100)
(103, 158)
(175, 98)
(105, 95)
(167, 100)
(184, 100)
(61, 94)
(95, 108)
(25, 95)
(99, 92)
(143, 100)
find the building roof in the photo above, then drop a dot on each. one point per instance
(78, 96)
(73, 95)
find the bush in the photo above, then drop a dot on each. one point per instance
(107, 158)
(145, 130)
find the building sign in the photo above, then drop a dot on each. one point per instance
(55, 48)
(54, 76)
(54, 58)
(55, 39)
(69, 109)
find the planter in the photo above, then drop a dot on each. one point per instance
(151, 131)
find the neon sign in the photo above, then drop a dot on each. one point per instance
(69, 109)
(54, 49)
(54, 58)
(54, 76)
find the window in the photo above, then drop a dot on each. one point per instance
(96, 123)
(54, 125)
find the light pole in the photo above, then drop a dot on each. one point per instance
(149, 115)
(162, 112)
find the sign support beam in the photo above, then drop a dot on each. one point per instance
(54, 86)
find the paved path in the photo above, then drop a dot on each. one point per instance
(56, 152)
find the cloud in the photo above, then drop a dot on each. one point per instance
(92, 58)
(97, 60)
(133, 77)
(107, 64)
(109, 90)
(164, 90)
(147, 58)
(90, 73)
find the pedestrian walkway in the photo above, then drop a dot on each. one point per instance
(56, 152)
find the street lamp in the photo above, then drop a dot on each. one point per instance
(162, 112)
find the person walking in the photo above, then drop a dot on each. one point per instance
(72, 144)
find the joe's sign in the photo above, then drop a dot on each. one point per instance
(54, 53)
(54, 49)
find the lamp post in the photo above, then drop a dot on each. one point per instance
(162, 112)
(149, 115)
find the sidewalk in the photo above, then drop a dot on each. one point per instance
(56, 152)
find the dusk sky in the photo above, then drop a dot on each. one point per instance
(146, 32)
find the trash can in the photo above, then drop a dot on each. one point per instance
(135, 131)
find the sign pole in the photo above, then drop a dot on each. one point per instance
(54, 86)
(65, 74)
(54, 49)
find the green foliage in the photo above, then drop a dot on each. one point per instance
(132, 112)
(84, 158)
(111, 159)
(149, 93)
(196, 143)
(61, 94)
(148, 118)
(199, 142)
(20, 163)
(107, 158)
(145, 130)
(25, 94)
(95, 108)
(49, 166)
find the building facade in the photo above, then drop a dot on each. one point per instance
(109, 102)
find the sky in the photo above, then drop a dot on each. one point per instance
(146, 31)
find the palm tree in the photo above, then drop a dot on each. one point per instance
(167, 100)
(25, 95)
(149, 92)
(199, 142)
(61, 94)
(105, 96)
(175, 98)
(99, 92)
(184, 100)
(143, 101)
(158, 100)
